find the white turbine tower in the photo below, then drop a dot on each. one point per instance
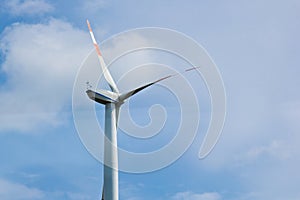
(112, 100)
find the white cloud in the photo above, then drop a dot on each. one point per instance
(41, 62)
(93, 6)
(277, 149)
(27, 7)
(130, 191)
(127, 63)
(194, 196)
(16, 191)
(290, 112)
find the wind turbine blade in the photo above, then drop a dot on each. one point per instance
(102, 197)
(133, 92)
(126, 95)
(105, 71)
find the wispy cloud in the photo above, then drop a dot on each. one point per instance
(130, 191)
(40, 63)
(92, 6)
(16, 191)
(27, 7)
(276, 149)
(188, 195)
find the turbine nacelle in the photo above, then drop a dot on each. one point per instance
(103, 96)
(106, 96)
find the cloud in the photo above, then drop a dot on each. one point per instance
(16, 191)
(131, 191)
(194, 196)
(27, 7)
(40, 65)
(92, 6)
(290, 112)
(277, 149)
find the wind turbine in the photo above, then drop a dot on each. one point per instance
(112, 100)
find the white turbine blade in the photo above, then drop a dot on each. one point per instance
(132, 92)
(105, 71)
(126, 95)
(102, 197)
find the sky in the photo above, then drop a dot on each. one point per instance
(256, 47)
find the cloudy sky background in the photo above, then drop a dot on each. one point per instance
(255, 45)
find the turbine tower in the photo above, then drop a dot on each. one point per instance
(112, 100)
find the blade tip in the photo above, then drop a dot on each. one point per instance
(89, 25)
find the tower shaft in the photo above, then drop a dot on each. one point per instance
(110, 171)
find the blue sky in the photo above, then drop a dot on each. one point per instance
(256, 47)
